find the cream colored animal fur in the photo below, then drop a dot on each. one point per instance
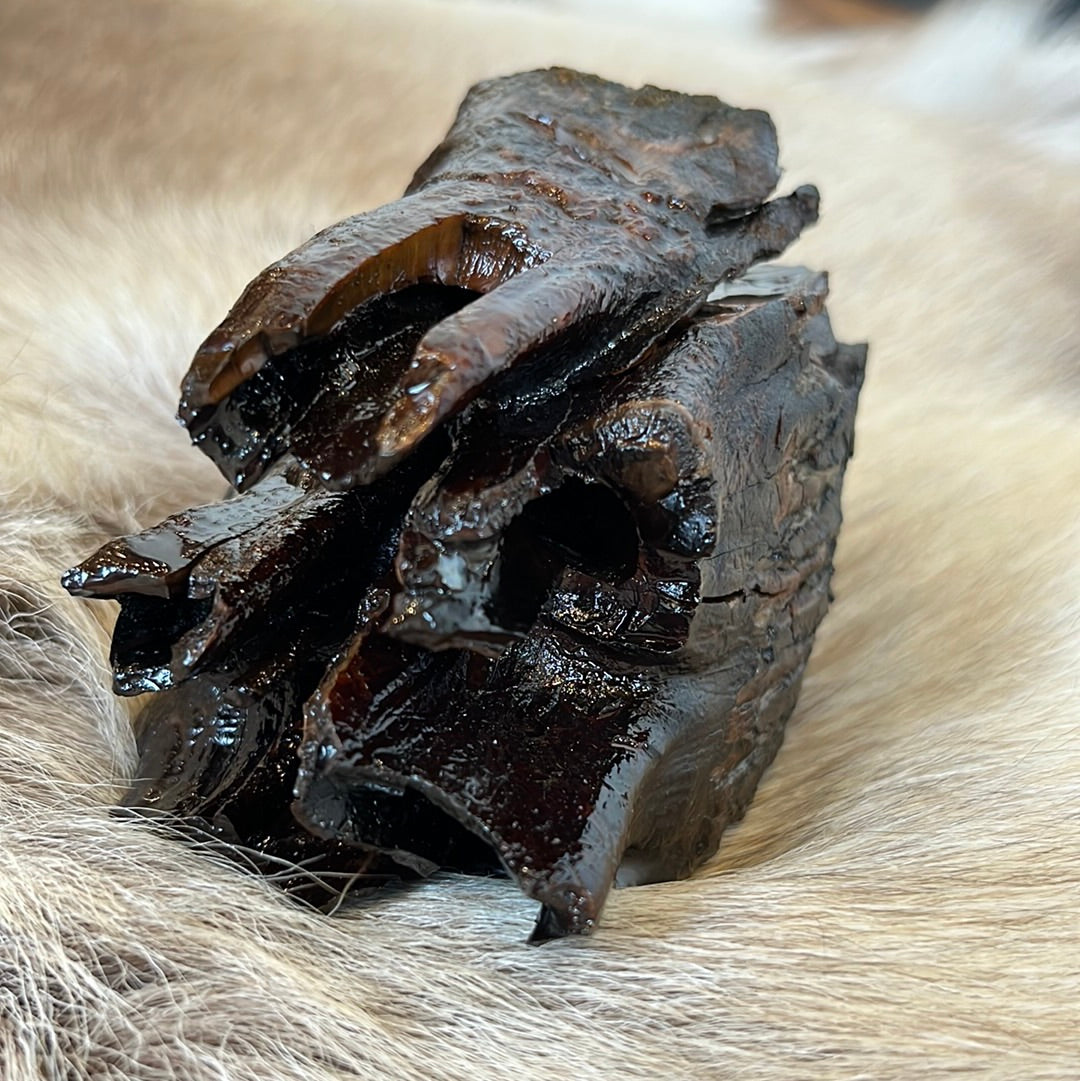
(903, 899)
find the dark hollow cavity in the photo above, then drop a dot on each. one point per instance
(143, 639)
(306, 399)
(580, 525)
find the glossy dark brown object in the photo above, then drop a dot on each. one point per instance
(537, 536)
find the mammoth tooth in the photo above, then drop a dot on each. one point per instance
(217, 757)
(540, 488)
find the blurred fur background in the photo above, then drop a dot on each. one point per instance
(903, 899)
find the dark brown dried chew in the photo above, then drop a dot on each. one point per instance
(549, 535)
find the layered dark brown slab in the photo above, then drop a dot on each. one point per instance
(534, 537)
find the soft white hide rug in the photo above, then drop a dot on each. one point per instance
(903, 898)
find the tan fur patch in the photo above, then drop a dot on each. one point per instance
(902, 899)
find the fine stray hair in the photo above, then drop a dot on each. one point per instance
(903, 898)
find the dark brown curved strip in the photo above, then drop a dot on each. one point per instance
(430, 238)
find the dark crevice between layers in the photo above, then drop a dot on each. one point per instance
(318, 401)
